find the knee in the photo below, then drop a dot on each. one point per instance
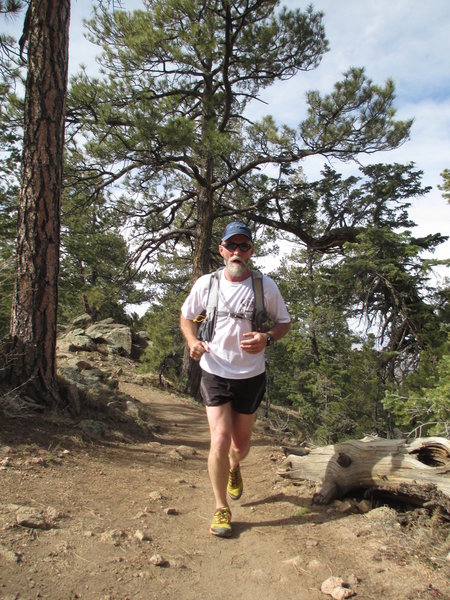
(220, 442)
(241, 447)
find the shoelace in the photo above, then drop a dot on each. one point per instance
(235, 478)
(222, 515)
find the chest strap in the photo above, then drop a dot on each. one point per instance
(234, 315)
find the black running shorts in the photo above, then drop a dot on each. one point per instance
(244, 394)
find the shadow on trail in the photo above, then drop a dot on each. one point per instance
(241, 526)
(281, 497)
(304, 512)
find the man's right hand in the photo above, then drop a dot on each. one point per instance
(197, 350)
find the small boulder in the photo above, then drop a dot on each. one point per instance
(27, 516)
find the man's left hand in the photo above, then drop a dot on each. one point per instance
(254, 342)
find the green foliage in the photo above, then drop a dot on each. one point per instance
(330, 377)
(94, 255)
(389, 280)
(421, 403)
(8, 226)
(445, 187)
(380, 284)
(357, 114)
(164, 355)
(10, 6)
(9, 52)
(10, 134)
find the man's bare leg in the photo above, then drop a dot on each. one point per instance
(241, 434)
(220, 427)
(230, 443)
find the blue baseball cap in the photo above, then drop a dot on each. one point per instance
(236, 228)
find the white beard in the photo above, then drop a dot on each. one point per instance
(236, 268)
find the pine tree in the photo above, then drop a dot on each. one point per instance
(170, 117)
(32, 348)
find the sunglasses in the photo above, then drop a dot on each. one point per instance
(244, 247)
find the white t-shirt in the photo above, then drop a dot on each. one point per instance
(226, 358)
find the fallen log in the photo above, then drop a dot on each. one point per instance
(417, 471)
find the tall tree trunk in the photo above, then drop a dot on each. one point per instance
(34, 310)
(205, 218)
(201, 266)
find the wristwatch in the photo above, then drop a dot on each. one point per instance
(270, 339)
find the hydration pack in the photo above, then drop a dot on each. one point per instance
(207, 319)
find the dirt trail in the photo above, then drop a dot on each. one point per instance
(107, 497)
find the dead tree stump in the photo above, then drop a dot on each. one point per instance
(417, 472)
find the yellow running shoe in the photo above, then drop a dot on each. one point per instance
(235, 485)
(221, 523)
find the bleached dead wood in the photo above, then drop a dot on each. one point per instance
(418, 471)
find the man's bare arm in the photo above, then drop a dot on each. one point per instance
(189, 330)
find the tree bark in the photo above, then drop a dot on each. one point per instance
(35, 301)
(201, 264)
(418, 470)
(205, 219)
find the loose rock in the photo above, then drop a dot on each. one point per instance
(330, 584)
(142, 536)
(171, 511)
(186, 451)
(337, 588)
(159, 561)
(27, 516)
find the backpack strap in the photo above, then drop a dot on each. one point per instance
(259, 314)
(213, 295)
(207, 321)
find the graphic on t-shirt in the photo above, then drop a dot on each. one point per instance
(241, 305)
(246, 304)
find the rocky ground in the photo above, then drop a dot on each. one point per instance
(122, 511)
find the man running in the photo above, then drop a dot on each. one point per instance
(233, 378)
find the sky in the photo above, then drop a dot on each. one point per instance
(405, 40)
